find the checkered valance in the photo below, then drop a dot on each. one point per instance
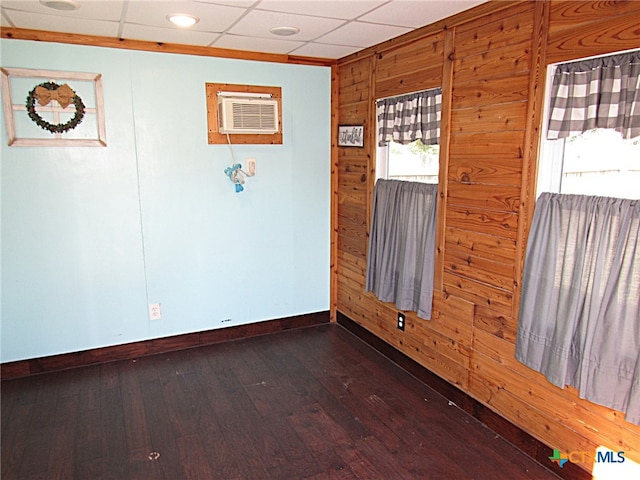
(597, 93)
(410, 117)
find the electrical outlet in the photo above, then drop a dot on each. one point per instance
(155, 313)
(401, 320)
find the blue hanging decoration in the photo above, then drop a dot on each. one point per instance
(235, 172)
(236, 175)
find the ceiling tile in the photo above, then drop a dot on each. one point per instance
(233, 3)
(324, 51)
(417, 13)
(213, 18)
(322, 8)
(359, 34)
(53, 23)
(96, 10)
(257, 23)
(252, 44)
(167, 35)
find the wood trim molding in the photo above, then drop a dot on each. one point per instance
(112, 42)
(370, 143)
(529, 445)
(24, 368)
(443, 174)
(535, 113)
(335, 114)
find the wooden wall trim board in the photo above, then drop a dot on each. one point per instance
(445, 139)
(371, 144)
(23, 368)
(333, 287)
(535, 113)
(112, 42)
(514, 434)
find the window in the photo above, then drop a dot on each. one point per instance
(400, 257)
(576, 156)
(597, 162)
(409, 136)
(413, 162)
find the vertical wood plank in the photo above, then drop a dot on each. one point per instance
(445, 138)
(335, 104)
(535, 111)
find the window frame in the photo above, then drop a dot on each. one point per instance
(445, 81)
(10, 107)
(551, 152)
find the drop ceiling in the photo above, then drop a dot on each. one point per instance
(327, 29)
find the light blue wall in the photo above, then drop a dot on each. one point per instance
(91, 235)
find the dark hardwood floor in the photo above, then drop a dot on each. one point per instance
(313, 403)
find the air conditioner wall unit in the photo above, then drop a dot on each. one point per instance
(245, 115)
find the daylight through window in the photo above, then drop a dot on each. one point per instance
(414, 162)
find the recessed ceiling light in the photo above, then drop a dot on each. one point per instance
(182, 19)
(285, 31)
(61, 4)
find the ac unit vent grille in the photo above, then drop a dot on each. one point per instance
(248, 115)
(253, 116)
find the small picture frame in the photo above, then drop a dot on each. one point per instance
(351, 135)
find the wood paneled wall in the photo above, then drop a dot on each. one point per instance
(491, 63)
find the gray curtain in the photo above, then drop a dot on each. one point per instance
(580, 306)
(596, 93)
(400, 263)
(406, 118)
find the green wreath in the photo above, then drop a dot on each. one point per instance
(58, 127)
